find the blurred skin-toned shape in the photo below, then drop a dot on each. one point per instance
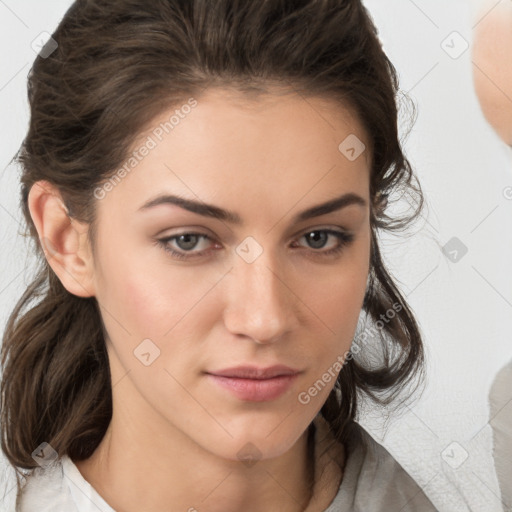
(492, 64)
(492, 73)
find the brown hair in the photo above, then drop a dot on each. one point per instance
(118, 64)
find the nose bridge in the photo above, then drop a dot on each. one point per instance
(260, 304)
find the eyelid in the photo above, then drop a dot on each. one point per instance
(322, 227)
(186, 230)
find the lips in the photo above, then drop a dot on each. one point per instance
(253, 384)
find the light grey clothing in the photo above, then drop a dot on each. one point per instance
(373, 481)
(500, 401)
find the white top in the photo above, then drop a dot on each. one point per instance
(372, 481)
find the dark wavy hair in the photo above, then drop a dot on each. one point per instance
(118, 64)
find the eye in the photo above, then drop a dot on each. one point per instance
(318, 237)
(185, 242)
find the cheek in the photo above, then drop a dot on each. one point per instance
(341, 297)
(157, 301)
(132, 295)
(339, 308)
(338, 304)
(154, 305)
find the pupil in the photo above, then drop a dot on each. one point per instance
(313, 237)
(187, 240)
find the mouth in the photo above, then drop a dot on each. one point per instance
(255, 384)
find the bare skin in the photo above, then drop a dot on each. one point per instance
(492, 64)
(175, 436)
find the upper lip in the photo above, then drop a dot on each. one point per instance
(253, 372)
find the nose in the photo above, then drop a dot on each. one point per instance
(260, 302)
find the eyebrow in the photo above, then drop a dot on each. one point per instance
(215, 212)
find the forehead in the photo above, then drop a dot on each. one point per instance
(223, 146)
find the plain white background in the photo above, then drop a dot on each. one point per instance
(464, 308)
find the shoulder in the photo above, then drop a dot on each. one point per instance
(374, 480)
(501, 422)
(502, 383)
(45, 490)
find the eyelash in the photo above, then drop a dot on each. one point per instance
(344, 238)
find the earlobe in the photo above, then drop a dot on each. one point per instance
(63, 239)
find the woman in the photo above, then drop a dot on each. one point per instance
(206, 180)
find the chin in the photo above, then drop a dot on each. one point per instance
(255, 441)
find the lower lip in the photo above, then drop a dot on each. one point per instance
(255, 390)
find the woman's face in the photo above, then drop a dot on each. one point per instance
(188, 292)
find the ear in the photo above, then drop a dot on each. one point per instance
(64, 240)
